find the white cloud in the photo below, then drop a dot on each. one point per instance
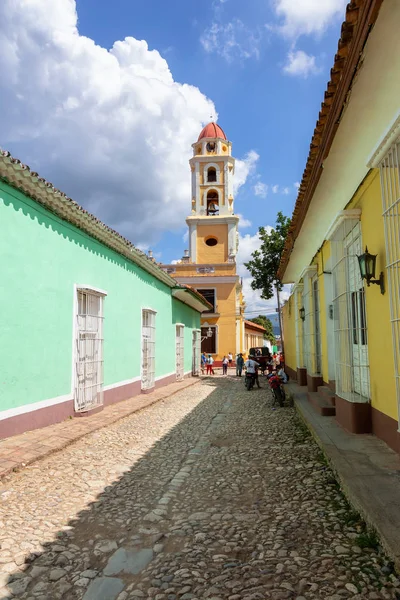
(232, 41)
(244, 168)
(247, 245)
(301, 64)
(286, 191)
(305, 17)
(275, 189)
(185, 237)
(111, 128)
(261, 189)
(243, 222)
(297, 184)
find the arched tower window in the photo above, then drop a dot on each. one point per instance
(212, 203)
(211, 175)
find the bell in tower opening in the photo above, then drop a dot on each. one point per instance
(212, 203)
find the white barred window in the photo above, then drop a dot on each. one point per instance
(390, 186)
(350, 323)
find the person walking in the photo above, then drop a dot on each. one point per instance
(203, 362)
(210, 362)
(225, 362)
(239, 365)
(230, 358)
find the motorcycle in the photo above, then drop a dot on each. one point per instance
(277, 388)
(249, 380)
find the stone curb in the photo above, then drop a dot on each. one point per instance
(109, 419)
(351, 490)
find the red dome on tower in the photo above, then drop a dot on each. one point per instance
(212, 130)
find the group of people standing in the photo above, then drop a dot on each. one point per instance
(207, 363)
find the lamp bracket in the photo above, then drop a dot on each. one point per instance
(380, 282)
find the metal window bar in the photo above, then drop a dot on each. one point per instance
(390, 187)
(350, 323)
(179, 349)
(148, 349)
(307, 325)
(89, 364)
(317, 327)
(298, 303)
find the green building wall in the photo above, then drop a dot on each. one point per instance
(42, 258)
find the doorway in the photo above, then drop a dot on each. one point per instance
(317, 327)
(196, 352)
(179, 351)
(148, 349)
(357, 318)
(89, 351)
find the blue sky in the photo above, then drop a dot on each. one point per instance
(109, 119)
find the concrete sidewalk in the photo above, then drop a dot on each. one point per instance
(367, 469)
(20, 450)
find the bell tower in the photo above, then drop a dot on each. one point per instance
(213, 226)
(209, 266)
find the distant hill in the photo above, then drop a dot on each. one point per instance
(275, 323)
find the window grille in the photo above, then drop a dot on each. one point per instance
(179, 348)
(298, 303)
(350, 324)
(317, 367)
(390, 186)
(308, 328)
(196, 352)
(89, 351)
(148, 348)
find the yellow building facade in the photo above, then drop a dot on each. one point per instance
(341, 331)
(209, 265)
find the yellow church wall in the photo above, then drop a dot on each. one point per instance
(212, 254)
(380, 348)
(226, 322)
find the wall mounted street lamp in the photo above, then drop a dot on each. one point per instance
(209, 334)
(302, 313)
(367, 264)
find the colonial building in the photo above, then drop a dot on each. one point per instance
(342, 254)
(254, 336)
(86, 318)
(210, 263)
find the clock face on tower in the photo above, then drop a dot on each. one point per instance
(210, 147)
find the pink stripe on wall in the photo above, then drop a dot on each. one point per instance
(61, 411)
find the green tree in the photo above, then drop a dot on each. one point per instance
(267, 324)
(264, 264)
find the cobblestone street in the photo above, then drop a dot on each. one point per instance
(212, 493)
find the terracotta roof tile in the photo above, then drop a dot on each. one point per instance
(19, 176)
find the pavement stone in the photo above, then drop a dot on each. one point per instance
(125, 560)
(20, 450)
(254, 513)
(104, 588)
